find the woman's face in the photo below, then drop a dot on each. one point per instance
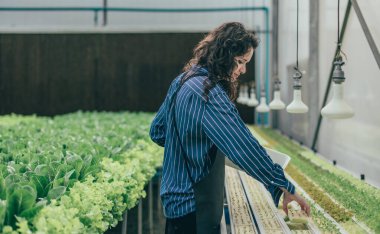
(241, 62)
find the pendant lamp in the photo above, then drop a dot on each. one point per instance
(242, 95)
(263, 107)
(252, 101)
(337, 108)
(297, 106)
(276, 103)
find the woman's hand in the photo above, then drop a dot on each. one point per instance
(288, 197)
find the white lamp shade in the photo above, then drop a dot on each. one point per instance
(243, 95)
(240, 99)
(276, 103)
(297, 106)
(263, 107)
(337, 108)
(252, 101)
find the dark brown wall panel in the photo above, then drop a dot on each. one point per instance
(50, 74)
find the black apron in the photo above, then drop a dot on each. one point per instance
(209, 192)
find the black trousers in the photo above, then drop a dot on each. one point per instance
(182, 225)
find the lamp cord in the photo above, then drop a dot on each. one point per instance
(296, 67)
(338, 23)
(339, 51)
(297, 36)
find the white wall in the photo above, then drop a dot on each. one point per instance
(129, 21)
(42, 19)
(354, 142)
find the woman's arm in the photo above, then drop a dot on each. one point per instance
(158, 128)
(223, 125)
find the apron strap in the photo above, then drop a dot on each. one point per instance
(185, 78)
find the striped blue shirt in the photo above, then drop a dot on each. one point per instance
(203, 124)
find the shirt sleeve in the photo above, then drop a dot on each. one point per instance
(222, 124)
(158, 127)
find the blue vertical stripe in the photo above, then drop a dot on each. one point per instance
(203, 124)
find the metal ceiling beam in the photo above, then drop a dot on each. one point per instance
(366, 31)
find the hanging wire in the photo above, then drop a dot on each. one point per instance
(338, 25)
(298, 74)
(338, 62)
(296, 67)
(297, 35)
(339, 52)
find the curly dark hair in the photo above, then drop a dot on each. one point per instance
(216, 52)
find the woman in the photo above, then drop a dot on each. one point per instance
(198, 124)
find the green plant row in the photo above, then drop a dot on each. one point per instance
(360, 198)
(336, 211)
(13, 119)
(41, 159)
(319, 196)
(371, 192)
(95, 205)
(325, 225)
